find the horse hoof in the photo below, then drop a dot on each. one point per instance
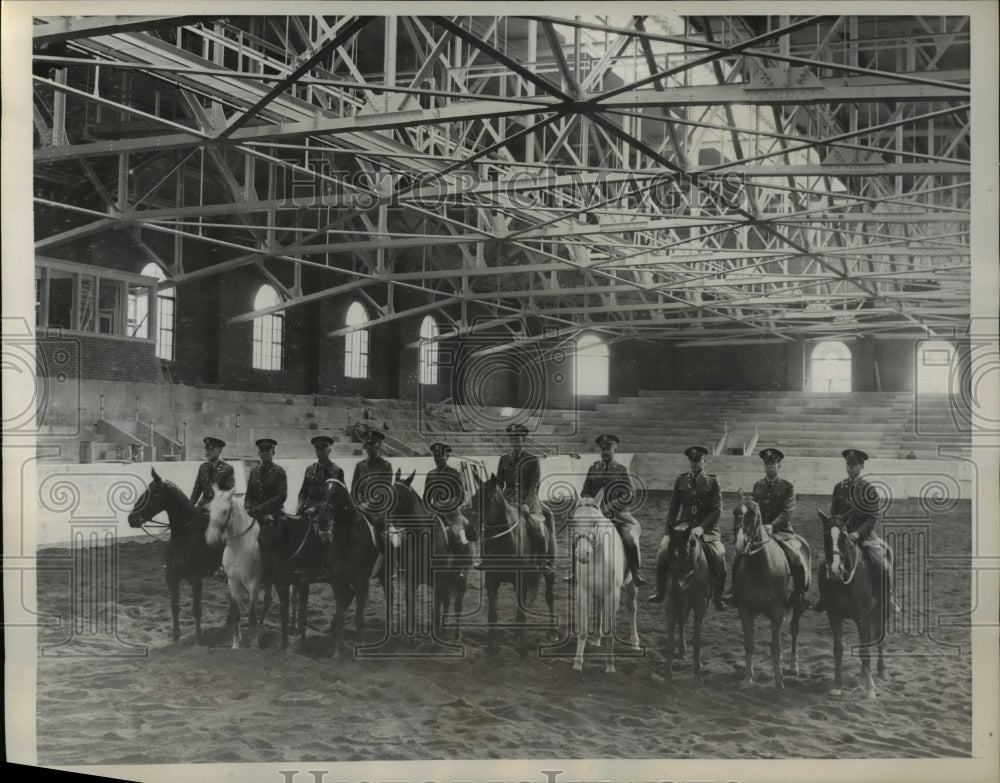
(609, 669)
(871, 695)
(578, 667)
(837, 692)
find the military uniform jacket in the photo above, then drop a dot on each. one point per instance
(267, 489)
(777, 502)
(858, 503)
(443, 489)
(520, 476)
(316, 477)
(697, 501)
(614, 479)
(367, 473)
(220, 473)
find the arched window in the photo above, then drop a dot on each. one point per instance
(268, 331)
(356, 347)
(936, 368)
(592, 359)
(139, 316)
(428, 352)
(830, 367)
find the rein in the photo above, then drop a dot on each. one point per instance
(248, 527)
(507, 531)
(854, 569)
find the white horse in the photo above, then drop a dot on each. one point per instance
(601, 572)
(228, 521)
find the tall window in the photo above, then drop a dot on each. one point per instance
(936, 368)
(830, 367)
(166, 298)
(267, 331)
(592, 359)
(356, 347)
(428, 356)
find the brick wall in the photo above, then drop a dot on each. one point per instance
(97, 356)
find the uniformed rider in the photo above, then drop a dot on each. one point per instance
(856, 501)
(519, 474)
(613, 477)
(444, 493)
(776, 498)
(371, 485)
(696, 501)
(312, 495)
(267, 486)
(214, 470)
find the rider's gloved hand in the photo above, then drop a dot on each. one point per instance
(698, 531)
(854, 535)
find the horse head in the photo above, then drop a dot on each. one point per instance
(747, 524)
(155, 498)
(834, 542)
(680, 549)
(587, 517)
(220, 509)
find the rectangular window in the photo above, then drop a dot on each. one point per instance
(356, 360)
(267, 341)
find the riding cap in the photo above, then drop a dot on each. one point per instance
(266, 443)
(771, 455)
(856, 454)
(373, 436)
(602, 439)
(322, 440)
(442, 447)
(214, 442)
(692, 451)
(517, 429)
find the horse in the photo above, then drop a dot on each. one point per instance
(689, 588)
(188, 555)
(443, 567)
(601, 573)
(228, 522)
(853, 589)
(510, 556)
(350, 560)
(762, 584)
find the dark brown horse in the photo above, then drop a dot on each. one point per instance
(442, 565)
(689, 589)
(510, 556)
(350, 560)
(188, 556)
(762, 584)
(853, 588)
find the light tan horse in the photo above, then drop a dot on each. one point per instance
(228, 521)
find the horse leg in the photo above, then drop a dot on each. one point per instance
(837, 626)
(283, 597)
(550, 579)
(174, 586)
(341, 598)
(681, 618)
(360, 602)
(699, 617)
(608, 628)
(492, 588)
(667, 608)
(796, 616)
(582, 613)
(302, 603)
(630, 607)
(865, 636)
(522, 639)
(254, 588)
(777, 621)
(459, 599)
(233, 620)
(196, 608)
(746, 618)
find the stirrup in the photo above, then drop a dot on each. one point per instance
(657, 597)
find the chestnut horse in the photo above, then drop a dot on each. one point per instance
(689, 588)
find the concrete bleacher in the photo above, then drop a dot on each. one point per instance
(109, 422)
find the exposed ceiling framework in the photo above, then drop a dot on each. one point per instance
(695, 179)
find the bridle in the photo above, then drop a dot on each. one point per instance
(510, 528)
(846, 578)
(753, 546)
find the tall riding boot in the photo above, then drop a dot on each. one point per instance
(632, 558)
(661, 577)
(730, 597)
(799, 585)
(718, 567)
